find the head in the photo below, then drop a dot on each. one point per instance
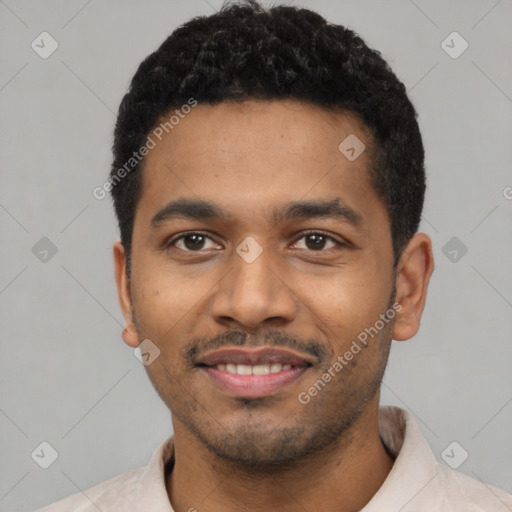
(272, 190)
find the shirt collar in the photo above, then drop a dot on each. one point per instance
(415, 466)
(151, 488)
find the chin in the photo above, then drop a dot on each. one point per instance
(261, 445)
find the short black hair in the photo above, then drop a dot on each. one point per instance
(246, 51)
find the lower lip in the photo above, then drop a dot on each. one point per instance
(254, 385)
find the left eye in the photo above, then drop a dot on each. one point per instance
(317, 241)
(193, 242)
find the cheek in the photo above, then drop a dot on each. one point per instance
(347, 301)
(161, 299)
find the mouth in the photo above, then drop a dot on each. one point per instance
(254, 371)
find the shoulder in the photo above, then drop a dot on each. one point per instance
(418, 481)
(145, 484)
(117, 493)
(460, 490)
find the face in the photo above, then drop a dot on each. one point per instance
(260, 254)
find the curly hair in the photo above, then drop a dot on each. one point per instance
(246, 51)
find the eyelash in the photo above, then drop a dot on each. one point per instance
(328, 237)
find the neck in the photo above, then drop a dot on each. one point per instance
(343, 477)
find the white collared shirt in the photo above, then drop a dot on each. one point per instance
(416, 483)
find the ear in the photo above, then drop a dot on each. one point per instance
(130, 336)
(413, 274)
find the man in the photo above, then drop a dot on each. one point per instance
(268, 180)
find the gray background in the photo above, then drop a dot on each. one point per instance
(66, 376)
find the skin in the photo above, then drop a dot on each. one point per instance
(251, 159)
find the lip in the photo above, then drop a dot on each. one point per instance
(252, 386)
(255, 355)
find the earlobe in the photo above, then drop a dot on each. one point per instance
(129, 335)
(413, 274)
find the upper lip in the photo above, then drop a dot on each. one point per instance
(255, 356)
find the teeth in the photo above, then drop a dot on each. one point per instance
(259, 369)
(244, 369)
(276, 367)
(231, 368)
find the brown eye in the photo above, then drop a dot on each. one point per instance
(193, 242)
(316, 242)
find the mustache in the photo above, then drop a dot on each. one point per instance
(271, 338)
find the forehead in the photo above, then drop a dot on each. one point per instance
(278, 126)
(254, 154)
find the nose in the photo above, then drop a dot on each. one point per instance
(253, 295)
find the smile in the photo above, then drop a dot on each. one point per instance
(254, 372)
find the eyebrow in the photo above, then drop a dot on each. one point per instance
(333, 209)
(188, 209)
(198, 209)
